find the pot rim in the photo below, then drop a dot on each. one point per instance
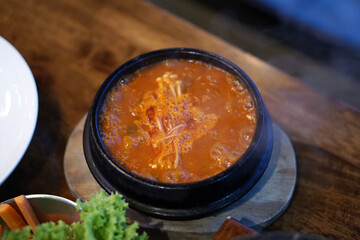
(173, 53)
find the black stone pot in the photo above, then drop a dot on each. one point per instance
(185, 200)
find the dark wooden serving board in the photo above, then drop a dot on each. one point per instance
(265, 202)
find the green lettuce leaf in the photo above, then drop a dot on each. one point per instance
(23, 234)
(103, 218)
(52, 231)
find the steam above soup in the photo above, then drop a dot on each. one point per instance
(178, 121)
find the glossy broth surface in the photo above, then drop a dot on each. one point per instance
(178, 121)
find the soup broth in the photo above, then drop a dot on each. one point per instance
(178, 121)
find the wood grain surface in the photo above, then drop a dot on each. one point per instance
(71, 46)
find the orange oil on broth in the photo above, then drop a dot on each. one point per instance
(178, 121)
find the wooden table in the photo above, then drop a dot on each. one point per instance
(71, 46)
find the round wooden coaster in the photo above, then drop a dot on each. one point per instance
(261, 206)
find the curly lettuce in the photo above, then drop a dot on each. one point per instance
(52, 231)
(103, 217)
(17, 234)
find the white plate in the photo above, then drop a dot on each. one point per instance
(18, 108)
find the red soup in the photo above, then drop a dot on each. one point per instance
(178, 121)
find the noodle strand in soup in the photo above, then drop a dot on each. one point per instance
(178, 121)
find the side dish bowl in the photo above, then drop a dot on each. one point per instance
(183, 200)
(50, 208)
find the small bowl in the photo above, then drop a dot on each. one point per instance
(50, 208)
(183, 200)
